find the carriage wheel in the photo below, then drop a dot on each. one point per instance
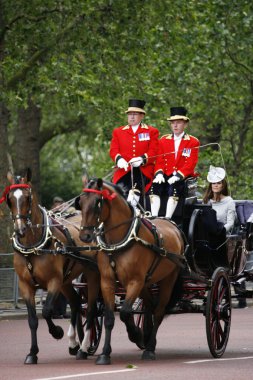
(218, 313)
(96, 327)
(97, 323)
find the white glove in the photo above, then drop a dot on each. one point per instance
(133, 197)
(136, 161)
(122, 164)
(159, 178)
(173, 179)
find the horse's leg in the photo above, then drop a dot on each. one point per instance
(135, 334)
(93, 286)
(85, 343)
(149, 353)
(28, 294)
(104, 357)
(166, 287)
(75, 319)
(32, 358)
(149, 306)
(108, 292)
(47, 312)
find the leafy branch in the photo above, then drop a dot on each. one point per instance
(21, 16)
(21, 74)
(68, 127)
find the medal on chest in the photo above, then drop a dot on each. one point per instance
(186, 152)
(143, 136)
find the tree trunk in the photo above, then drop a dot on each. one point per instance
(212, 135)
(26, 145)
(5, 221)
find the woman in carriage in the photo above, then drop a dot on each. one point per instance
(217, 195)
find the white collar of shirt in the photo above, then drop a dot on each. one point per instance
(177, 140)
(134, 128)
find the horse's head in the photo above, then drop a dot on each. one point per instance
(18, 196)
(92, 203)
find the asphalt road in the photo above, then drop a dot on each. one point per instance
(182, 352)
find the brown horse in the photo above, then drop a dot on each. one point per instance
(39, 242)
(130, 252)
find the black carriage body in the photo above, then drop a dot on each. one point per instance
(209, 248)
(216, 261)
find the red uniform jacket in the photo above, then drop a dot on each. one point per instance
(127, 144)
(187, 156)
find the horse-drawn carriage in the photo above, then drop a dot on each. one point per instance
(160, 269)
(215, 272)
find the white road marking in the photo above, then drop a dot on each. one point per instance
(86, 374)
(218, 360)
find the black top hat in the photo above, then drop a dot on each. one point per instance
(136, 105)
(178, 113)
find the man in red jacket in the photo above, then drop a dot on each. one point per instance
(177, 158)
(134, 149)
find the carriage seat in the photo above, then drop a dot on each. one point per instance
(244, 210)
(215, 248)
(206, 240)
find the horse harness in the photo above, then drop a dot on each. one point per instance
(132, 237)
(42, 247)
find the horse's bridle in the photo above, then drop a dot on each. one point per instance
(5, 197)
(47, 233)
(105, 194)
(99, 230)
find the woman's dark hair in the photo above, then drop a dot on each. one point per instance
(210, 195)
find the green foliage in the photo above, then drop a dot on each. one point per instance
(62, 165)
(81, 61)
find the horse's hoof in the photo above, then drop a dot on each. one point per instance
(57, 332)
(148, 355)
(81, 355)
(31, 359)
(103, 359)
(74, 350)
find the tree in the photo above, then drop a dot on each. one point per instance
(69, 67)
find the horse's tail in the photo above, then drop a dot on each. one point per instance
(177, 293)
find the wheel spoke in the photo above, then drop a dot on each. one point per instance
(218, 313)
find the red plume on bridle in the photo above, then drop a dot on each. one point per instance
(11, 187)
(105, 193)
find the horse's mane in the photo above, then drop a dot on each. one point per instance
(118, 188)
(35, 199)
(122, 190)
